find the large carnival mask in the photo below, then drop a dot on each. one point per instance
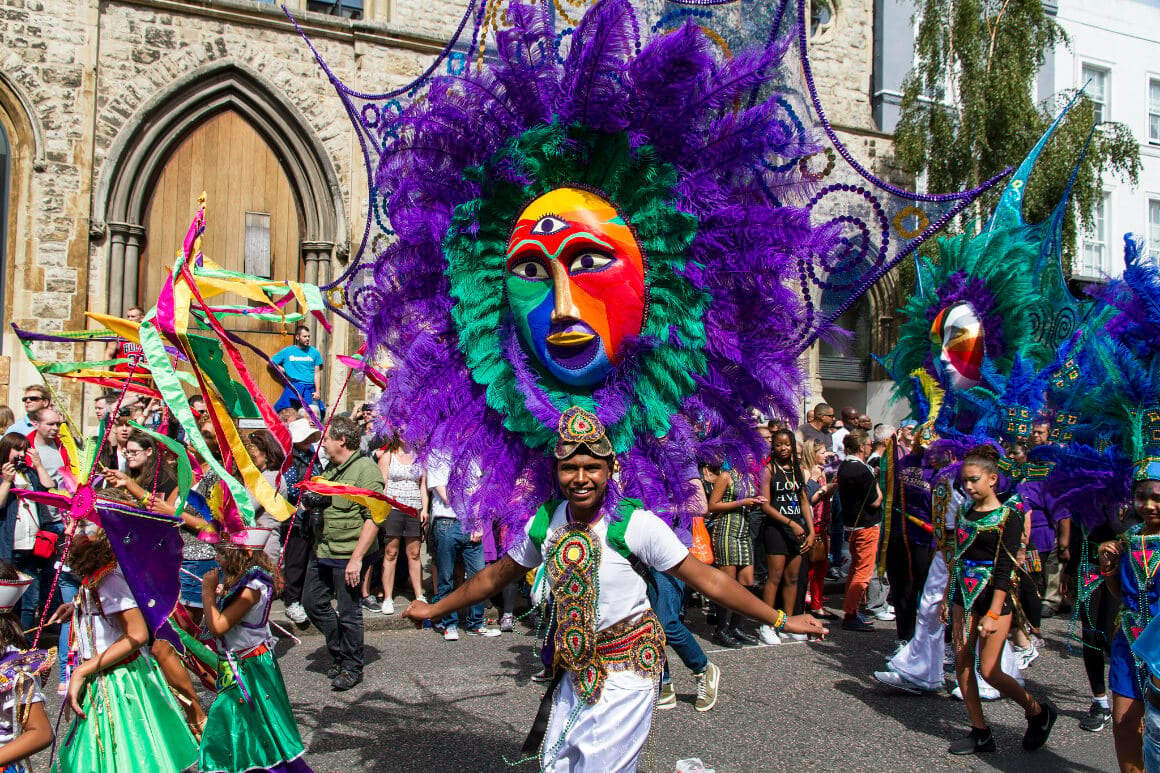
(575, 284)
(957, 335)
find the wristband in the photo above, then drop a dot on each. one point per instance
(779, 619)
(991, 614)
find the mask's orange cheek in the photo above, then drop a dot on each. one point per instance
(612, 302)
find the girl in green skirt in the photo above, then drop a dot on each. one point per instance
(251, 727)
(126, 718)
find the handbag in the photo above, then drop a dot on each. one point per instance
(702, 548)
(45, 545)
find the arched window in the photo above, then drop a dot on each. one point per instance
(5, 187)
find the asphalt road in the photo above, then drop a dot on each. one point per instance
(432, 705)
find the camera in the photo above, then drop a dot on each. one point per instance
(313, 504)
(22, 466)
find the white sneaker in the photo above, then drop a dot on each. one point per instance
(507, 622)
(484, 631)
(896, 681)
(794, 636)
(451, 633)
(1025, 656)
(766, 635)
(388, 607)
(882, 613)
(986, 693)
(295, 613)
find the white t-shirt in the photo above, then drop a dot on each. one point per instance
(8, 703)
(113, 595)
(438, 474)
(839, 440)
(252, 629)
(622, 592)
(27, 521)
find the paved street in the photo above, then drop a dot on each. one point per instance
(431, 705)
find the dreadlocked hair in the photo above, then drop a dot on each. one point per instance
(235, 561)
(90, 552)
(11, 629)
(985, 457)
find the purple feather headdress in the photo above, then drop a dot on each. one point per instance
(667, 133)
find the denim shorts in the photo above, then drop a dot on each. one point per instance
(1151, 738)
(190, 587)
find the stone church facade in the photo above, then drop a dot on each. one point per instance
(116, 114)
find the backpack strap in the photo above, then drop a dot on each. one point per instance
(539, 529)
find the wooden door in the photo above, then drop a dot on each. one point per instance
(248, 198)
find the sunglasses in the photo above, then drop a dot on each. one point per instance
(32, 399)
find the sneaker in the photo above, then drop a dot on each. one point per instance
(371, 604)
(1096, 719)
(345, 681)
(543, 675)
(833, 575)
(726, 639)
(767, 635)
(948, 655)
(451, 633)
(667, 698)
(388, 607)
(986, 693)
(1037, 641)
(857, 623)
(62, 688)
(507, 621)
(885, 614)
(296, 613)
(977, 741)
(1025, 655)
(484, 631)
(1048, 611)
(707, 683)
(795, 636)
(897, 682)
(334, 670)
(1039, 726)
(743, 636)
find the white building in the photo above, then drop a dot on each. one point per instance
(1115, 48)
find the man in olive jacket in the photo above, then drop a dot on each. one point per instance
(344, 535)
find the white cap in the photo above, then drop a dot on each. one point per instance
(253, 538)
(302, 429)
(12, 590)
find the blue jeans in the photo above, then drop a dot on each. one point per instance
(452, 543)
(1151, 737)
(667, 600)
(69, 585)
(27, 563)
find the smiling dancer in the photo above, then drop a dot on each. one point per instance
(609, 645)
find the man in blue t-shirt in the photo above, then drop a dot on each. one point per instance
(301, 363)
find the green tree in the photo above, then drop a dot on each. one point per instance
(967, 111)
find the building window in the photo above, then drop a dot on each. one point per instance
(1094, 252)
(1154, 111)
(1154, 230)
(822, 14)
(5, 170)
(1096, 79)
(348, 9)
(257, 253)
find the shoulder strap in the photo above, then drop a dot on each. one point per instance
(539, 530)
(624, 509)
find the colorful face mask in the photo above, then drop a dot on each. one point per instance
(957, 334)
(575, 284)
